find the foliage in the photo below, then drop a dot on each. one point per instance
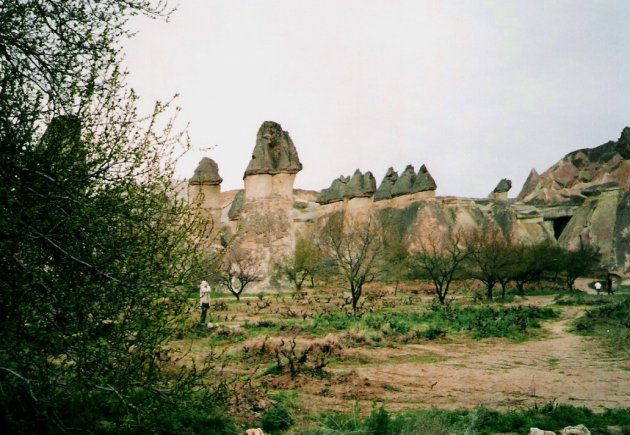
(611, 322)
(491, 257)
(356, 249)
(531, 262)
(95, 248)
(307, 262)
(581, 262)
(278, 418)
(480, 420)
(440, 261)
(487, 321)
(395, 253)
(237, 269)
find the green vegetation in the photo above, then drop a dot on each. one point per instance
(480, 420)
(610, 322)
(96, 251)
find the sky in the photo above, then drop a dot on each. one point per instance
(476, 90)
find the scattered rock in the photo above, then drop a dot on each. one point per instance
(536, 431)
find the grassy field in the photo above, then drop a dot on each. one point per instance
(303, 363)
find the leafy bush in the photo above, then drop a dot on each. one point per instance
(488, 321)
(480, 420)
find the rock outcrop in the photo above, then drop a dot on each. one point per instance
(274, 152)
(207, 172)
(384, 191)
(500, 193)
(335, 192)
(565, 182)
(358, 186)
(204, 190)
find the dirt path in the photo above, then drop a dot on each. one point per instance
(562, 366)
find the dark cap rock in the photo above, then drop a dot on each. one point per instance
(207, 172)
(384, 191)
(504, 186)
(274, 152)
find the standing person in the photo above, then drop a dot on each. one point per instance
(598, 287)
(204, 298)
(609, 288)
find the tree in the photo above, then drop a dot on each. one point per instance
(238, 269)
(490, 257)
(439, 260)
(356, 249)
(94, 245)
(395, 252)
(576, 263)
(305, 263)
(531, 262)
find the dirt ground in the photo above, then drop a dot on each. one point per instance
(452, 372)
(560, 367)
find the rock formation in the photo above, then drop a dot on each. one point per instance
(360, 185)
(335, 192)
(274, 152)
(500, 192)
(384, 191)
(565, 181)
(271, 171)
(585, 196)
(207, 172)
(204, 190)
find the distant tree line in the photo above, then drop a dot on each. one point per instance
(362, 251)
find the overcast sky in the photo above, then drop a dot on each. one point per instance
(476, 90)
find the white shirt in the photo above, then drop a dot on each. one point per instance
(204, 291)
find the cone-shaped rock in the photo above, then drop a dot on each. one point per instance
(424, 181)
(237, 205)
(404, 184)
(274, 152)
(360, 185)
(384, 191)
(335, 192)
(623, 144)
(530, 184)
(207, 172)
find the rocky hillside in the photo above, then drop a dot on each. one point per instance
(579, 173)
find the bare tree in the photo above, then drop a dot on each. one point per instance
(356, 249)
(237, 269)
(491, 256)
(439, 260)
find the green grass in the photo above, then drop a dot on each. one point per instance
(480, 420)
(610, 322)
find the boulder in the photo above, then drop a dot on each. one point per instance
(384, 191)
(207, 172)
(580, 429)
(274, 152)
(536, 431)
